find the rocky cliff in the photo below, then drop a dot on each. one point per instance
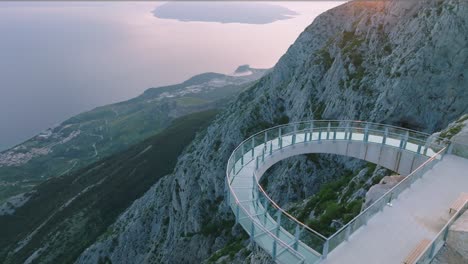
(397, 62)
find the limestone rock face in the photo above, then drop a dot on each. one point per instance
(376, 191)
(398, 62)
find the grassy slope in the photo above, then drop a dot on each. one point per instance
(117, 180)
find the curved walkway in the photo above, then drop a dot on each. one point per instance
(283, 237)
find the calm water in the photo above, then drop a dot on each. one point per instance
(59, 59)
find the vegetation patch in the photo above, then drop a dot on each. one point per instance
(325, 59)
(333, 203)
(449, 133)
(190, 101)
(230, 250)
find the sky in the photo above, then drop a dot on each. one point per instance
(58, 59)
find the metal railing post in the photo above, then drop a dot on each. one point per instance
(274, 250)
(384, 140)
(450, 148)
(242, 157)
(431, 252)
(253, 146)
(366, 133)
(446, 233)
(406, 139)
(346, 131)
(311, 128)
(280, 139)
(348, 232)
(325, 249)
(294, 135)
(328, 131)
(296, 236)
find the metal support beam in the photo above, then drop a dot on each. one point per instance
(280, 139)
(384, 140)
(252, 233)
(366, 133)
(294, 134)
(242, 157)
(311, 128)
(297, 234)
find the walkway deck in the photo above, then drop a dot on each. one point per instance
(419, 212)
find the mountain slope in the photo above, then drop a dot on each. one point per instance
(397, 62)
(98, 133)
(62, 216)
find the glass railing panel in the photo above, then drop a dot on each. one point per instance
(244, 220)
(287, 132)
(337, 239)
(286, 255)
(303, 126)
(424, 258)
(376, 136)
(355, 224)
(247, 146)
(460, 150)
(357, 134)
(288, 224)
(393, 140)
(339, 133)
(238, 156)
(312, 240)
(259, 139)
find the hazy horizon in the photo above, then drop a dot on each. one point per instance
(63, 58)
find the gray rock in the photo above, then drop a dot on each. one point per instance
(378, 190)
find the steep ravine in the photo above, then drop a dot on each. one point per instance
(396, 62)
